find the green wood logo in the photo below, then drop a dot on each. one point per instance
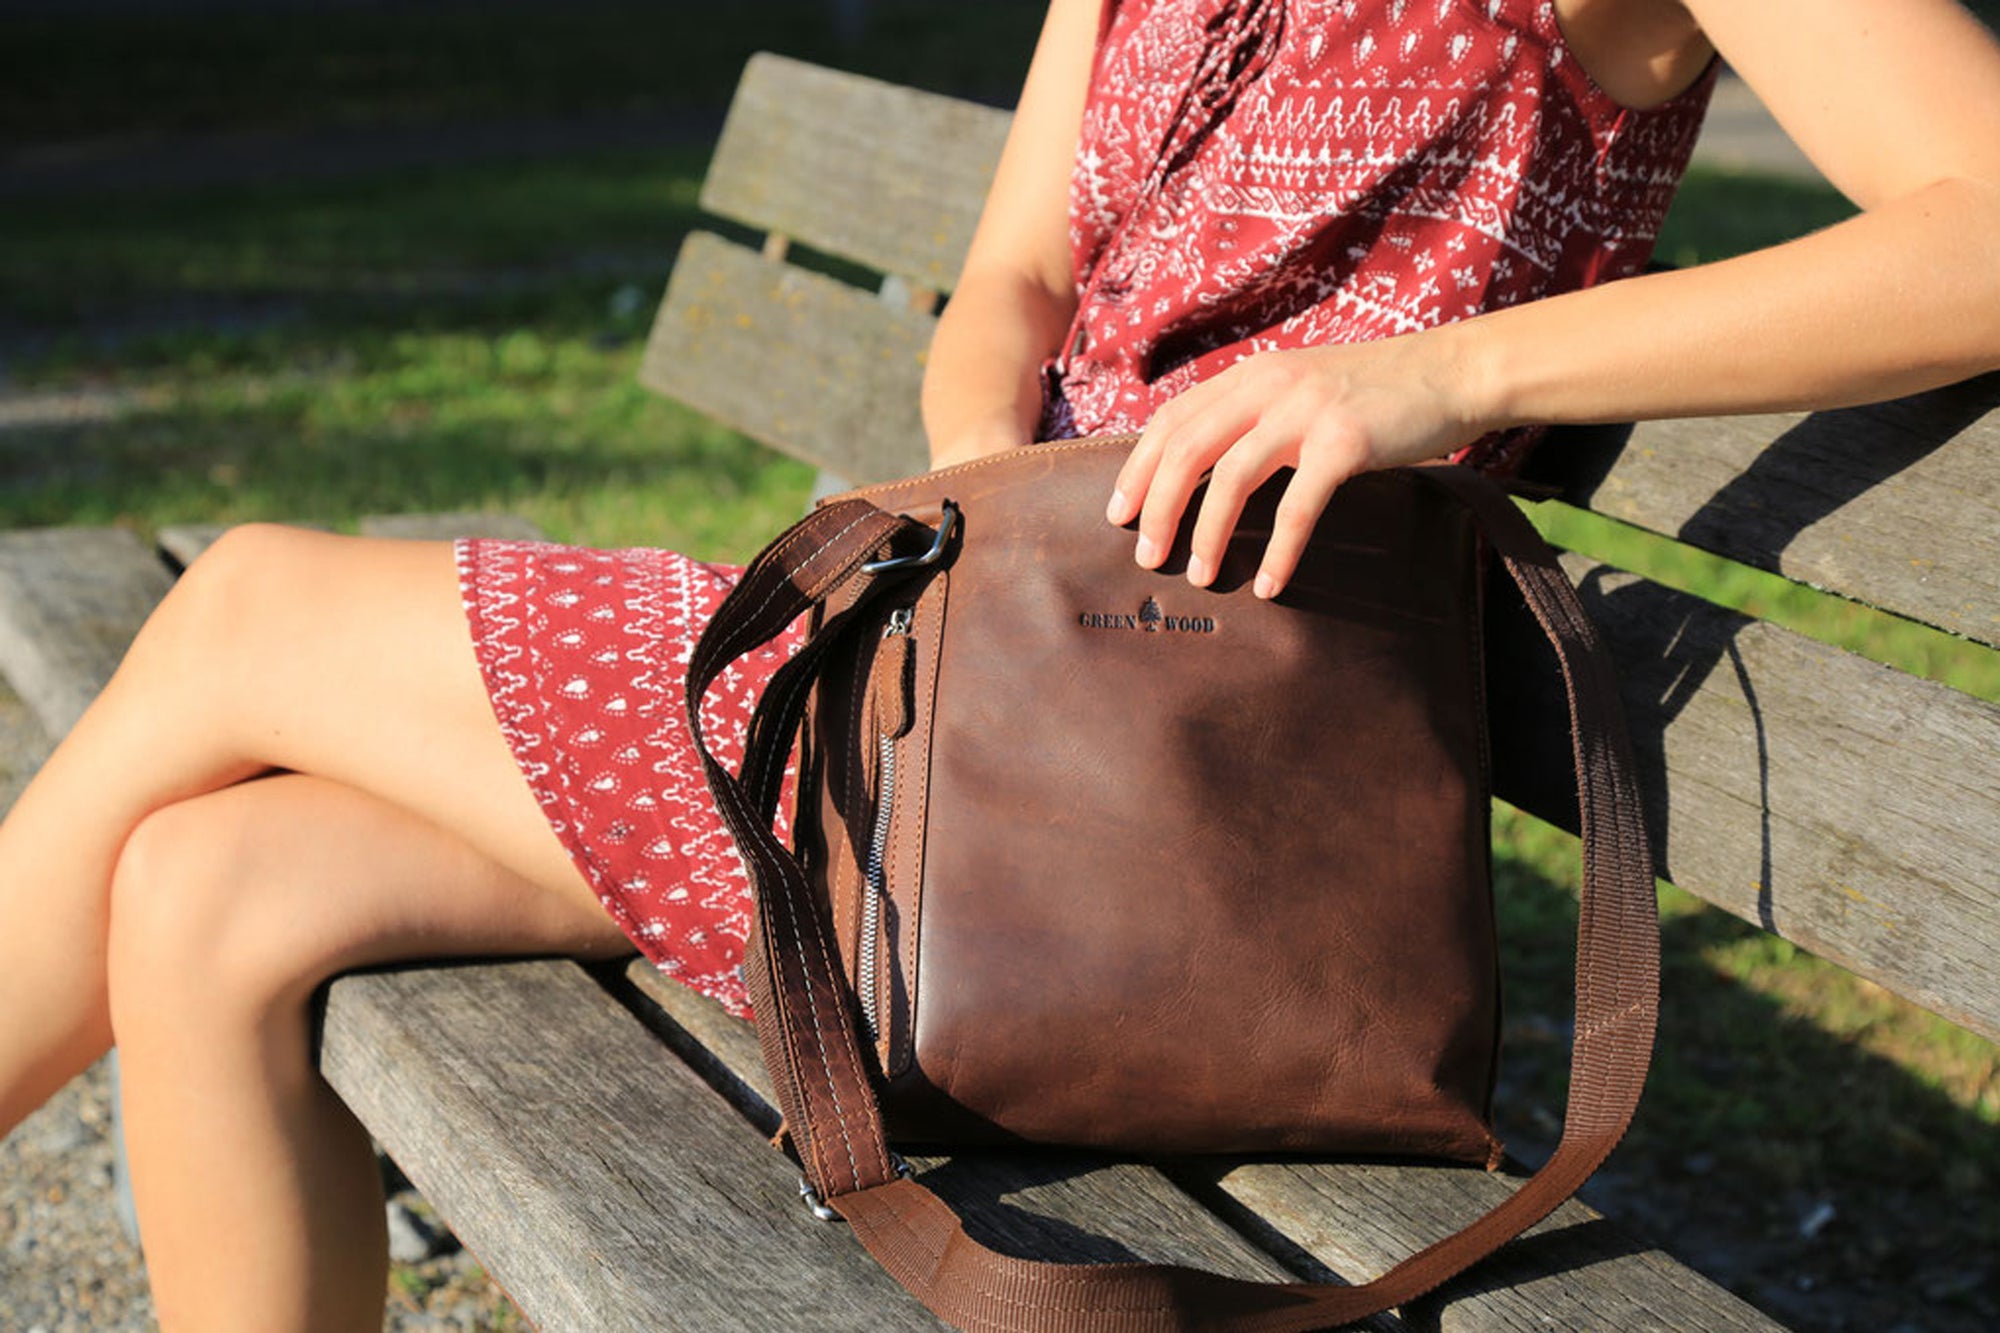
(1149, 618)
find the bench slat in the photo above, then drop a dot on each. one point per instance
(1843, 804)
(185, 542)
(811, 366)
(1896, 505)
(888, 176)
(70, 601)
(1575, 1271)
(1057, 1206)
(522, 1091)
(23, 746)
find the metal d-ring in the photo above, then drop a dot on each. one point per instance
(947, 525)
(818, 1206)
(815, 1203)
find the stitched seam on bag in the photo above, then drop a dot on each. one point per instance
(819, 1032)
(1097, 442)
(867, 1097)
(728, 648)
(791, 1041)
(868, 1101)
(1598, 1027)
(926, 716)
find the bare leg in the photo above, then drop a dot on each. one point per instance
(334, 657)
(227, 910)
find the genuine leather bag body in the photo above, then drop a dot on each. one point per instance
(1121, 862)
(1088, 856)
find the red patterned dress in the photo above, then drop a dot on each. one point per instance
(1251, 175)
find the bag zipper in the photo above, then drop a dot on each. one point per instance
(874, 872)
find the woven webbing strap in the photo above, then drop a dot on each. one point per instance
(805, 1008)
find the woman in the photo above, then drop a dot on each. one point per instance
(150, 889)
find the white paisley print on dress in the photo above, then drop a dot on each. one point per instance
(1347, 170)
(584, 655)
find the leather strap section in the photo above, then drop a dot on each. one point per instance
(805, 1011)
(802, 1001)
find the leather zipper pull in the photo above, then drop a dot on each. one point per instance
(890, 676)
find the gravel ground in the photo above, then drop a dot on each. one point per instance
(67, 1267)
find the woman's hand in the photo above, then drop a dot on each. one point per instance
(1329, 413)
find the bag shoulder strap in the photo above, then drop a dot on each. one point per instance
(807, 1028)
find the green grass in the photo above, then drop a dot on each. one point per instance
(381, 246)
(1722, 213)
(545, 423)
(1877, 635)
(442, 340)
(1780, 1084)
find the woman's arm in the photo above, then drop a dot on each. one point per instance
(1016, 294)
(1899, 106)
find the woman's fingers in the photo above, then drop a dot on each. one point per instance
(1328, 413)
(1320, 472)
(1135, 478)
(1246, 465)
(1187, 444)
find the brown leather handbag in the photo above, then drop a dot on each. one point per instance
(1088, 856)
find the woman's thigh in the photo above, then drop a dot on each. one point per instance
(350, 659)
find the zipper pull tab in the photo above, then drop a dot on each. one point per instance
(890, 679)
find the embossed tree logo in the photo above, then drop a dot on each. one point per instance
(1149, 616)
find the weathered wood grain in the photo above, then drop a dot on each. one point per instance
(1573, 1271)
(603, 1184)
(808, 365)
(23, 746)
(888, 176)
(1896, 505)
(70, 601)
(183, 543)
(1843, 804)
(1067, 1206)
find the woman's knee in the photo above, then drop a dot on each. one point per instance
(218, 600)
(195, 937)
(212, 620)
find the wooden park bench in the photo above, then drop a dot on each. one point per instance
(596, 1135)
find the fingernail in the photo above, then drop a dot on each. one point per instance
(1148, 553)
(1115, 511)
(1265, 586)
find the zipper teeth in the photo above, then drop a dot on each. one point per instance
(871, 907)
(867, 955)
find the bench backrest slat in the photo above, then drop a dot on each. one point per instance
(807, 364)
(70, 601)
(1896, 504)
(1843, 804)
(886, 176)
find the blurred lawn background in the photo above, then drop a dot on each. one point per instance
(465, 336)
